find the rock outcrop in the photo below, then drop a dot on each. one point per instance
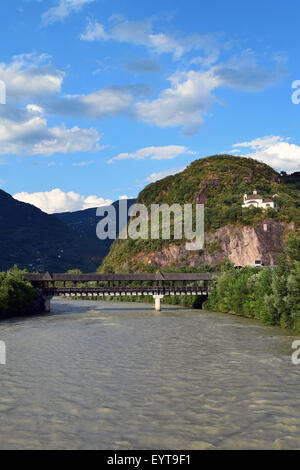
(242, 245)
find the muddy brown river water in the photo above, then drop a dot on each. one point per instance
(99, 375)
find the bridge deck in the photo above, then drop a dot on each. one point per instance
(138, 290)
(131, 277)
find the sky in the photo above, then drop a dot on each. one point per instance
(99, 98)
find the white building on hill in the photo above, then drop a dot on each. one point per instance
(255, 200)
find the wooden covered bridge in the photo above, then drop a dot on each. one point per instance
(93, 285)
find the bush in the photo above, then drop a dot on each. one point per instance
(16, 295)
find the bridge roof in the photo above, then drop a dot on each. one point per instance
(120, 277)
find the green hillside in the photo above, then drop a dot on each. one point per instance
(219, 182)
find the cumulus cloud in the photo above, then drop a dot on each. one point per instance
(30, 76)
(163, 174)
(56, 201)
(63, 9)
(183, 104)
(167, 152)
(31, 79)
(26, 132)
(190, 95)
(111, 101)
(140, 33)
(273, 150)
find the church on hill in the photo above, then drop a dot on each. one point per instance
(255, 200)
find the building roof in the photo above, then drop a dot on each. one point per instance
(121, 277)
(253, 196)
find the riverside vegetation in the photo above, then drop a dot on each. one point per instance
(269, 295)
(17, 296)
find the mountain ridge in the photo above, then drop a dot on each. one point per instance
(37, 241)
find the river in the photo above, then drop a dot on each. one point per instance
(99, 375)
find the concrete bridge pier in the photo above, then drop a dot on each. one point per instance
(46, 303)
(157, 299)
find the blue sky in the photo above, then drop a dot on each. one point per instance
(103, 97)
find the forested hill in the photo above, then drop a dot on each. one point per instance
(219, 182)
(38, 241)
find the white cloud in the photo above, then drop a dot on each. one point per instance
(190, 95)
(62, 140)
(94, 32)
(30, 76)
(24, 130)
(63, 9)
(28, 133)
(167, 152)
(163, 174)
(183, 104)
(275, 151)
(111, 101)
(141, 33)
(107, 102)
(56, 201)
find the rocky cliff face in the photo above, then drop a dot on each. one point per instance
(242, 245)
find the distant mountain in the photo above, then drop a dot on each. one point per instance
(41, 242)
(241, 235)
(85, 221)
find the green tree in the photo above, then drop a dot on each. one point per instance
(16, 294)
(293, 246)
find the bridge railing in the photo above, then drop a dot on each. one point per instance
(142, 290)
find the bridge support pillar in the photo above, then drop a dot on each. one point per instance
(157, 299)
(46, 303)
